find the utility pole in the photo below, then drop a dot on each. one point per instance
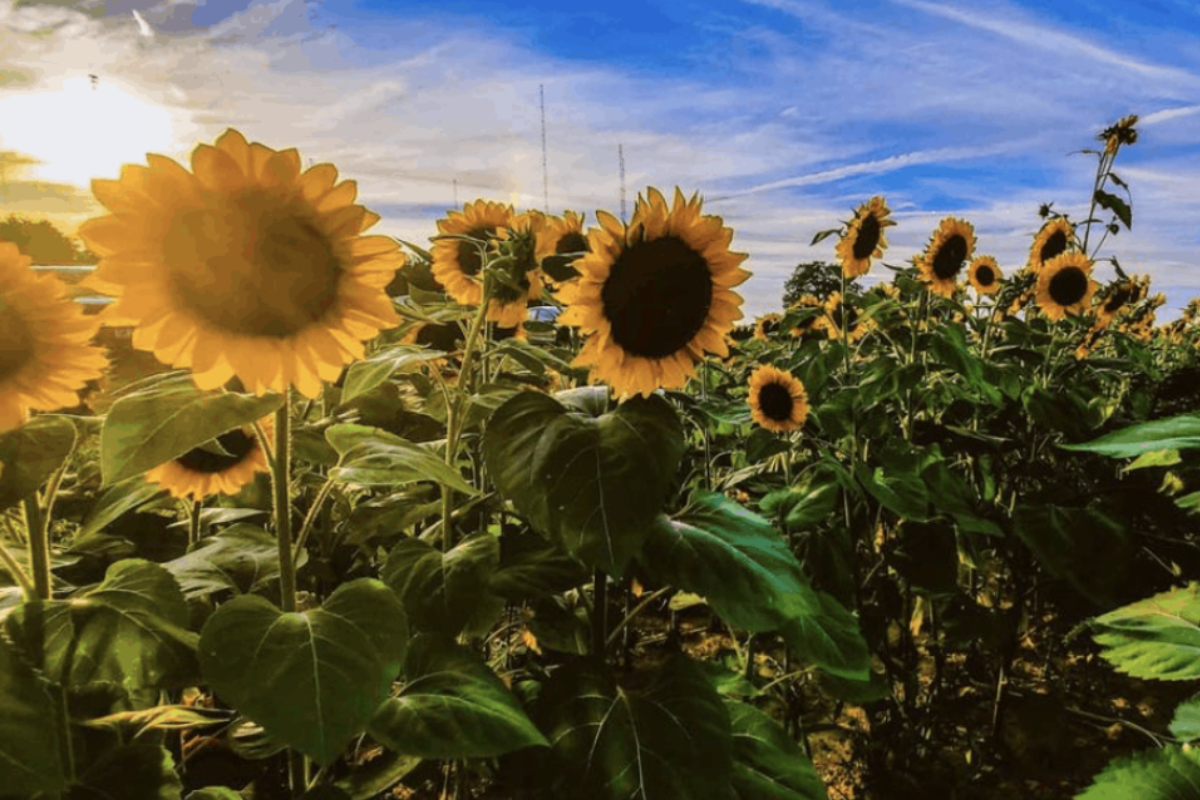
(545, 178)
(456, 192)
(621, 155)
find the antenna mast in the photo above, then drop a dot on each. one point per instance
(621, 155)
(456, 192)
(545, 178)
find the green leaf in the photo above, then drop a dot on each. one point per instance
(145, 430)
(1158, 458)
(767, 763)
(811, 502)
(242, 557)
(374, 457)
(29, 736)
(669, 741)
(131, 772)
(312, 679)
(214, 793)
(736, 560)
(453, 707)
(530, 567)
(1186, 724)
(591, 484)
(1116, 205)
(364, 375)
(1158, 637)
(115, 503)
(1175, 433)
(130, 630)
(440, 590)
(1083, 546)
(1171, 773)
(375, 778)
(30, 454)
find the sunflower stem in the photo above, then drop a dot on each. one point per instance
(280, 480)
(17, 571)
(194, 524)
(599, 613)
(311, 518)
(39, 549)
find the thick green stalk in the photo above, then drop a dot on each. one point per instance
(17, 572)
(39, 549)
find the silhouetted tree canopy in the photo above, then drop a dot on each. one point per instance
(43, 242)
(818, 278)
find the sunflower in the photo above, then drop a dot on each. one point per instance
(247, 267)
(559, 235)
(1115, 299)
(45, 353)
(984, 275)
(767, 326)
(1065, 285)
(443, 336)
(952, 244)
(1054, 239)
(864, 238)
(831, 322)
(778, 401)
(509, 305)
(201, 473)
(813, 322)
(654, 295)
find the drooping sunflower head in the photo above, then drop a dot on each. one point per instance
(200, 472)
(515, 247)
(557, 237)
(45, 353)
(654, 295)
(1065, 286)
(864, 238)
(244, 266)
(841, 315)
(778, 401)
(984, 275)
(951, 245)
(767, 326)
(1055, 238)
(1122, 132)
(1115, 299)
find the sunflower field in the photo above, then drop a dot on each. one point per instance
(366, 528)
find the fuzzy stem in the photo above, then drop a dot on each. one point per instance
(17, 571)
(39, 549)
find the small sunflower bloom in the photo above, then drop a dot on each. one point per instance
(244, 266)
(654, 295)
(832, 322)
(777, 400)
(558, 236)
(1054, 239)
(1065, 286)
(864, 238)
(46, 355)
(813, 322)
(951, 245)
(984, 275)
(458, 265)
(199, 473)
(767, 326)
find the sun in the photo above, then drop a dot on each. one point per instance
(79, 132)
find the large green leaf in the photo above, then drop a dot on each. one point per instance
(736, 560)
(452, 707)
(145, 430)
(1174, 433)
(592, 484)
(29, 738)
(1171, 773)
(30, 454)
(374, 457)
(130, 772)
(767, 763)
(531, 567)
(312, 679)
(243, 557)
(1083, 546)
(365, 375)
(130, 630)
(1158, 637)
(669, 741)
(441, 591)
(116, 502)
(1186, 724)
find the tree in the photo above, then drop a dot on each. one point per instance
(818, 278)
(41, 241)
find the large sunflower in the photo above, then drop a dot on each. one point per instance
(864, 237)
(45, 353)
(654, 295)
(778, 401)
(244, 266)
(200, 473)
(952, 244)
(559, 235)
(984, 275)
(1054, 239)
(1065, 285)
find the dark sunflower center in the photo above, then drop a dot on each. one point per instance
(252, 265)
(849, 313)
(985, 275)
(440, 337)
(18, 342)
(1056, 245)
(770, 326)
(947, 261)
(868, 237)
(776, 402)
(657, 297)
(1119, 298)
(468, 252)
(1068, 286)
(236, 443)
(573, 242)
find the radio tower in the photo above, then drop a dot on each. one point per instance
(621, 155)
(456, 192)
(545, 179)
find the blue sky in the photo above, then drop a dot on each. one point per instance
(783, 114)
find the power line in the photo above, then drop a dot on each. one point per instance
(545, 179)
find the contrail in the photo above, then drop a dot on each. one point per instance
(143, 26)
